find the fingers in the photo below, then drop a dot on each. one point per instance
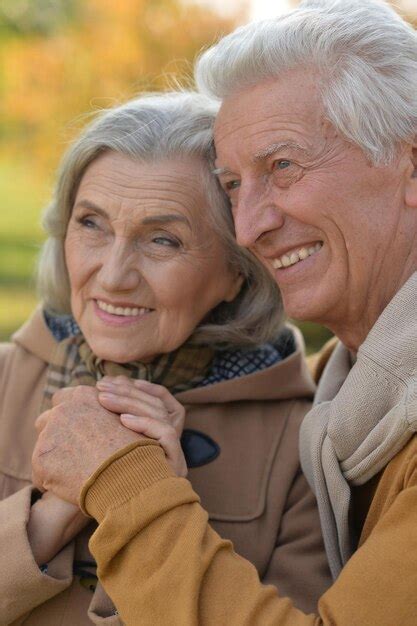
(161, 393)
(166, 436)
(155, 394)
(128, 404)
(139, 397)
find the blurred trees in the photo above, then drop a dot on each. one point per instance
(61, 58)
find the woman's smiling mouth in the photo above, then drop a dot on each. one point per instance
(116, 315)
(120, 310)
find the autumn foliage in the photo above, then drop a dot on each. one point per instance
(105, 52)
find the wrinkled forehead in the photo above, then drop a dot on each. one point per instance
(128, 188)
(288, 109)
(118, 173)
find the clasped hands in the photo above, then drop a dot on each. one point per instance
(86, 425)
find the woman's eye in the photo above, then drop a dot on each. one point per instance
(282, 164)
(87, 222)
(166, 241)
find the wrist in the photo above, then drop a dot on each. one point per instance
(52, 524)
(128, 472)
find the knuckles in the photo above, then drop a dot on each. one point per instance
(81, 393)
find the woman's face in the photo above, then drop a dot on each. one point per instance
(145, 267)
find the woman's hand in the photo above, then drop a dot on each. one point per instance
(140, 397)
(148, 409)
(53, 522)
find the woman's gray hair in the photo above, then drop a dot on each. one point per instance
(151, 128)
(365, 55)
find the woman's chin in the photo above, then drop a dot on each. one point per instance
(118, 353)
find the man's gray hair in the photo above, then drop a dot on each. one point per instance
(365, 56)
(153, 128)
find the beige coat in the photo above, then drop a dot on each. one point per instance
(254, 491)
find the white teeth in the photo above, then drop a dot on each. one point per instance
(291, 258)
(120, 310)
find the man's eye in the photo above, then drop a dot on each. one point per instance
(232, 184)
(281, 164)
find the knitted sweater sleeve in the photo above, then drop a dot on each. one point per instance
(158, 558)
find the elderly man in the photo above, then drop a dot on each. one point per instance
(316, 149)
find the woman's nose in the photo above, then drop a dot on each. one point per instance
(120, 268)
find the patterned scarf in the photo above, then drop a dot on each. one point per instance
(75, 364)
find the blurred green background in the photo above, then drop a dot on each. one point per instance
(61, 61)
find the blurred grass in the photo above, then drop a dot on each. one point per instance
(315, 335)
(22, 197)
(16, 304)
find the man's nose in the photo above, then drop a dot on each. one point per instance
(120, 268)
(254, 215)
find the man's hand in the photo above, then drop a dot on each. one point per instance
(75, 436)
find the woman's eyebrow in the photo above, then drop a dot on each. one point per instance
(151, 219)
(87, 204)
(168, 217)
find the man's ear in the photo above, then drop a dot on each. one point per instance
(235, 287)
(411, 183)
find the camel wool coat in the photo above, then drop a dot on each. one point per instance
(254, 490)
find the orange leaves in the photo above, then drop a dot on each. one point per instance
(111, 50)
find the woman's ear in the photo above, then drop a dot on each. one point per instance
(411, 183)
(235, 287)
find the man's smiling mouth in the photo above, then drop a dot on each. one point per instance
(296, 255)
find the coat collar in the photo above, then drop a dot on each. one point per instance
(287, 379)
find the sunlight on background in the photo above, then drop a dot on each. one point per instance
(261, 9)
(252, 9)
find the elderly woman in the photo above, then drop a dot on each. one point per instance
(145, 294)
(316, 147)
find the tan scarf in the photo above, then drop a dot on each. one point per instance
(363, 416)
(75, 364)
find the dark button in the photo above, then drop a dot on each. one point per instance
(199, 449)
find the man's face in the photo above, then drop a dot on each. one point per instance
(330, 226)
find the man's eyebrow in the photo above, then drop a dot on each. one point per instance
(218, 171)
(264, 154)
(276, 147)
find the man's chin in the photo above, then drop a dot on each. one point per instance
(305, 307)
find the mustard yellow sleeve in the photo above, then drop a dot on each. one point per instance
(161, 562)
